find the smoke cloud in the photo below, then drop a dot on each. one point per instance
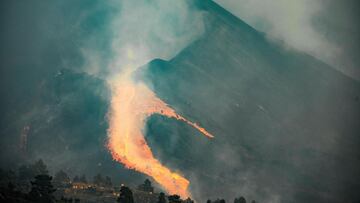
(58, 59)
(152, 29)
(308, 26)
(144, 31)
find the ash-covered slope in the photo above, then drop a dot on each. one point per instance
(286, 124)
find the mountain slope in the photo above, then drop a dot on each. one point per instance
(286, 124)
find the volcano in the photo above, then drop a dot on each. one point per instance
(286, 124)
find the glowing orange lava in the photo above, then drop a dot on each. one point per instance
(131, 103)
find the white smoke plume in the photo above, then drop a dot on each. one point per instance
(153, 29)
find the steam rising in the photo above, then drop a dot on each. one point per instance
(153, 29)
(144, 31)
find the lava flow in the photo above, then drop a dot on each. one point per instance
(131, 103)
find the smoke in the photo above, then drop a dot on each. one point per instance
(66, 109)
(67, 47)
(308, 26)
(152, 29)
(141, 32)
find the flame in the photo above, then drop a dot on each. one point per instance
(131, 103)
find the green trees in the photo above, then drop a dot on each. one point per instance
(147, 183)
(16, 187)
(27, 172)
(102, 181)
(126, 195)
(7, 176)
(76, 179)
(162, 198)
(98, 180)
(107, 181)
(61, 178)
(218, 201)
(146, 186)
(39, 168)
(174, 199)
(240, 200)
(188, 200)
(83, 179)
(42, 189)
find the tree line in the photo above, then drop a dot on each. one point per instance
(126, 196)
(32, 183)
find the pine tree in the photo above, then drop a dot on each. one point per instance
(162, 198)
(98, 180)
(39, 168)
(25, 173)
(126, 195)
(61, 178)
(240, 200)
(188, 200)
(83, 179)
(107, 181)
(76, 179)
(174, 199)
(42, 189)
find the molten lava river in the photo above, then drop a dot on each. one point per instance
(131, 103)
